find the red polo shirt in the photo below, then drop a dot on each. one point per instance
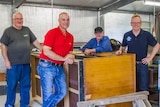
(59, 43)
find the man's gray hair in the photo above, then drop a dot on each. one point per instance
(17, 12)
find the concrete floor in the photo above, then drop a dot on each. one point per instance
(32, 102)
(3, 98)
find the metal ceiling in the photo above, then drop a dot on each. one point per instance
(139, 7)
(103, 6)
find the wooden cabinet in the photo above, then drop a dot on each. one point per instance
(102, 77)
(2, 76)
(36, 88)
(92, 78)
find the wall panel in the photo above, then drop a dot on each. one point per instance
(41, 19)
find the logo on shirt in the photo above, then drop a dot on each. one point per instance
(129, 38)
(25, 35)
(70, 43)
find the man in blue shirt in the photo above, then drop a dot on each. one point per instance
(137, 41)
(98, 44)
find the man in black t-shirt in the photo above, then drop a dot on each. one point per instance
(15, 43)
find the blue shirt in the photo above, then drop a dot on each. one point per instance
(104, 45)
(139, 44)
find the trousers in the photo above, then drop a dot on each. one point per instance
(19, 73)
(142, 77)
(53, 83)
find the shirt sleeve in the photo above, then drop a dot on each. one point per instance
(49, 38)
(124, 42)
(151, 40)
(32, 36)
(5, 38)
(87, 45)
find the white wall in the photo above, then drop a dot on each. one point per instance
(40, 20)
(5, 17)
(116, 24)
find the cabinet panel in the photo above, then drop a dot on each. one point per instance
(73, 76)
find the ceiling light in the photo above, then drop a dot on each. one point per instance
(152, 3)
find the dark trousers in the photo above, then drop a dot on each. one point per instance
(142, 77)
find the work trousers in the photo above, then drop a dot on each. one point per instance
(142, 77)
(53, 83)
(18, 74)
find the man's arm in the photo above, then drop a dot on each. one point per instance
(5, 56)
(68, 59)
(37, 44)
(121, 50)
(89, 51)
(153, 53)
(155, 50)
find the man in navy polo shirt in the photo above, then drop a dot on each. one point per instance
(137, 41)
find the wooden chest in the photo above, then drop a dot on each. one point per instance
(101, 77)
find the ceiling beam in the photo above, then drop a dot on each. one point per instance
(17, 3)
(5, 2)
(114, 6)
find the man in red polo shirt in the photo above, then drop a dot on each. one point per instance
(58, 43)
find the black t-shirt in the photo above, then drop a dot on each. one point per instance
(18, 44)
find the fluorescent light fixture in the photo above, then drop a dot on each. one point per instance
(152, 3)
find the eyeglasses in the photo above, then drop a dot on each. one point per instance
(135, 23)
(18, 18)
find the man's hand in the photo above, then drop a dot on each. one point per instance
(8, 64)
(146, 60)
(69, 59)
(119, 52)
(89, 51)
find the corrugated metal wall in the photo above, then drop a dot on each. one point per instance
(5, 17)
(83, 22)
(41, 19)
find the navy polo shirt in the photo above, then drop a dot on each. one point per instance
(139, 44)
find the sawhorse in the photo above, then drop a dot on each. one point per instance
(139, 99)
